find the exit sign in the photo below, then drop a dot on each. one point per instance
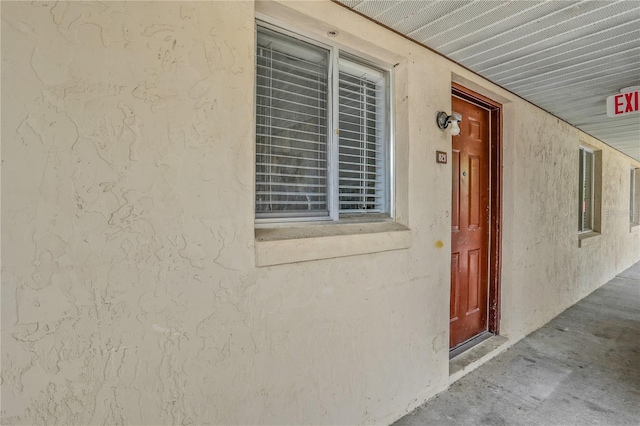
(623, 103)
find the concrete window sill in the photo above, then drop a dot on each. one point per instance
(588, 238)
(634, 227)
(276, 246)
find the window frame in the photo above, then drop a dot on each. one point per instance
(346, 61)
(634, 198)
(336, 51)
(583, 151)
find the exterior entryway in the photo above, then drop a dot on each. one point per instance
(549, 377)
(471, 222)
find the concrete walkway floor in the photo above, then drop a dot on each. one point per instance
(582, 368)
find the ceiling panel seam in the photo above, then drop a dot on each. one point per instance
(566, 86)
(461, 23)
(443, 17)
(496, 23)
(562, 45)
(529, 46)
(555, 65)
(611, 67)
(518, 28)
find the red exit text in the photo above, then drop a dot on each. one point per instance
(623, 103)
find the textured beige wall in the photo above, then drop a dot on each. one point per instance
(618, 246)
(130, 292)
(126, 211)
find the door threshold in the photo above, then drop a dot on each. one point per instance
(477, 355)
(465, 346)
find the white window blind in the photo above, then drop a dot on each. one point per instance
(320, 154)
(362, 151)
(585, 212)
(291, 127)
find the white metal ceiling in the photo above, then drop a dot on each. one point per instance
(565, 56)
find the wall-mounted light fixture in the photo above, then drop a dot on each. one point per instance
(444, 120)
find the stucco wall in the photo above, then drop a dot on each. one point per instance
(618, 246)
(130, 291)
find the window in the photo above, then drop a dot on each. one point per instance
(634, 202)
(322, 132)
(586, 190)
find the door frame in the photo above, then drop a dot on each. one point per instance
(495, 198)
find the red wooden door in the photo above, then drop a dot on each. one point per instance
(469, 223)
